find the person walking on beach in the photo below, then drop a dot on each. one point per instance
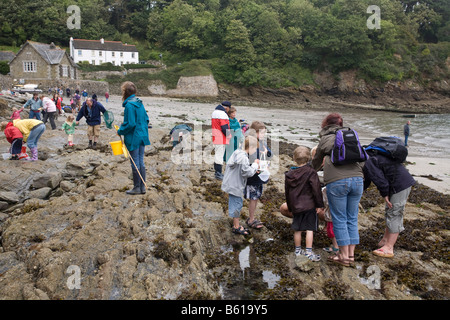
(69, 128)
(406, 132)
(303, 201)
(135, 131)
(91, 110)
(50, 110)
(394, 183)
(220, 125)
(344, 187)
(238, 169)
(35, 105)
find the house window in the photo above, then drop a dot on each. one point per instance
(65, 71)
(132, 55)
(100, 53)
(29, 66)
(93, 53)
(80, 53)
(113, 54)
(121, 54)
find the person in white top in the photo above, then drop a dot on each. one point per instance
(49, 108)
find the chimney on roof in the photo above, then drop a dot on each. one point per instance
(102, 41)
(52, 46)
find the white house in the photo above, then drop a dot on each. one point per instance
(100, 51)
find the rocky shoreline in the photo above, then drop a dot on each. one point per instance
(69, 211)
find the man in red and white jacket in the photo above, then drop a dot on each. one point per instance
(221, 135)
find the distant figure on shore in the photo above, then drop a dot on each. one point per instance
(106, 96)
(394, 183)
(406, 132)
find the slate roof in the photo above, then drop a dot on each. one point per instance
(6, 55)
(105, 46)
(51, 53)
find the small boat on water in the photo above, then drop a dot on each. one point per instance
(409, 116)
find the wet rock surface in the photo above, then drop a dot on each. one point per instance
(67, 216)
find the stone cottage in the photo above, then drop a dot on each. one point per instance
(39, 62)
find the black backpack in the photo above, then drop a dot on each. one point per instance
(391, 147)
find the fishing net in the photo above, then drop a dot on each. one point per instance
(108, 116)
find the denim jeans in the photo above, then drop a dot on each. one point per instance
(36, 115)
(34, 135)
(138, 157)
(343, 198)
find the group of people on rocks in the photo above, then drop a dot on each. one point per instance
(334, 199)
(19, 131)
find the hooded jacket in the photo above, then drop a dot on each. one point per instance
(12, 133)
(237, 171)
(332, 173)
(135, 124)
(302, 189)
(389, 176)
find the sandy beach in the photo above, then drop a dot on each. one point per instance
(293, 126)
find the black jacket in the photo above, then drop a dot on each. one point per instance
(390, 177)
(302, 189)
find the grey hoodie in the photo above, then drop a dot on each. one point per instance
(237, 171)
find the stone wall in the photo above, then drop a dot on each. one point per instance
(91, 86)
(5, 82)
(98, 75)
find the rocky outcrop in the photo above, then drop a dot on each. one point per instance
(187, 87)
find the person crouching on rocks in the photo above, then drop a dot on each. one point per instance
(91, 111)
(135, 131)
(15, 137)
(32, 131)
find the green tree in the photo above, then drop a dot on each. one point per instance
(239, 51)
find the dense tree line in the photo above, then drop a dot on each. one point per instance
(265, 42)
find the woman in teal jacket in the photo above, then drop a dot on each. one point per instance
(135, 131)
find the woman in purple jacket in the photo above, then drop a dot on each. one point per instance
(394, 183)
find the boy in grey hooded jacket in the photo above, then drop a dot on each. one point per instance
(236, 173)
